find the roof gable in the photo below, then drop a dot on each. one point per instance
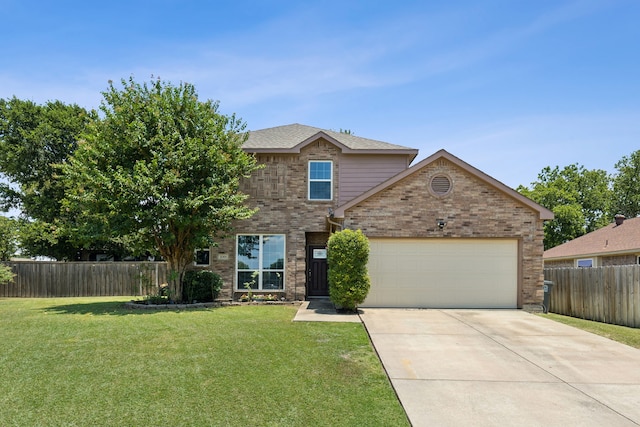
(292, 138)
(610, 239)
(443, 154)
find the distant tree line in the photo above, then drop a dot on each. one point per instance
(584, 200)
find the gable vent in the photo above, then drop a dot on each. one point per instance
(440, 185)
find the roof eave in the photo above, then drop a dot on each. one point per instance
(410, 152)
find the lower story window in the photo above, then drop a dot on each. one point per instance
(587, 262)
(201, 257)
(260, 261)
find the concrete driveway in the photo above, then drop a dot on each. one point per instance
(504, 367)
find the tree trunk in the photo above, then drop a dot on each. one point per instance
(177, 268)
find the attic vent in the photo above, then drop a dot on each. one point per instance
(440, 185)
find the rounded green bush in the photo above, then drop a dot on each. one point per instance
(347, 257)
(201, 286)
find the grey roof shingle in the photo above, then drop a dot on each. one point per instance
(289, 136)
(606, 240)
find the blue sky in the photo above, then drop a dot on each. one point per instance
(508, 86)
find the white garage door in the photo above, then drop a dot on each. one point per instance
(443, 273)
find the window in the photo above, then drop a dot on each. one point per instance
(260, 262)
(587, 262)
(202, 257)
(320, 180)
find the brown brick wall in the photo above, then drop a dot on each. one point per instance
(619, 260)
(560, 264)
(407, 209)
(283, 209)
(472, 209)
(603, 261)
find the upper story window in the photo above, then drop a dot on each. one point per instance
(320, 180)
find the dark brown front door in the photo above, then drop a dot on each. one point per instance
(317, 283)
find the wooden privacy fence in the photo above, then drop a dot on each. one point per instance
(36, 279)
(604, 294)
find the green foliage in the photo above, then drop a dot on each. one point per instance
(201, 285)
(579, 199)
(92, 362)
(8, 238)
(159, 173)
(6, 275)
(33, 140)
(626, 186)
(623, 334)
(347, 257)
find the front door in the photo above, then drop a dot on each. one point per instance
(317, 283)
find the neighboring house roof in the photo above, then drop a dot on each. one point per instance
(544, 213)
(291, 138)
(609, 240)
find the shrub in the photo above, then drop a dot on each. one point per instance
(347, 257)
(201, 286)
(6, 275)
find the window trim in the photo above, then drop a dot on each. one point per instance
(261, 270)
(310, 180)
(584, 266)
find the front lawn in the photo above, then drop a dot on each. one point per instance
(623, 334)
(89, 361)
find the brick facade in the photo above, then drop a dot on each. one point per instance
(473, 209)
(627, 259)
(279, 191)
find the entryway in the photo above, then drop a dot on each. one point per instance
(317, 283)
(317, 267)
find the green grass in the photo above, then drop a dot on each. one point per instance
(623, 334)
(90, 362)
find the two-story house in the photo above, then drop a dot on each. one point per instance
(442, 233)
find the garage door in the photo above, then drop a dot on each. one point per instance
(443, 273)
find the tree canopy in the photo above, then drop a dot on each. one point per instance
(579, 198)
(33, 140)
(8, 238)
(626, 186)
(159, 172)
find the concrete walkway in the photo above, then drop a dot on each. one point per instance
(504, 367)
(322, 310)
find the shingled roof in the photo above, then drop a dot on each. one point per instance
(291, 138)
(609, 240)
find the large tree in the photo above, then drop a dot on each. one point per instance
(626, 186)
(578, 197)
(33, 139)
(159, 172)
